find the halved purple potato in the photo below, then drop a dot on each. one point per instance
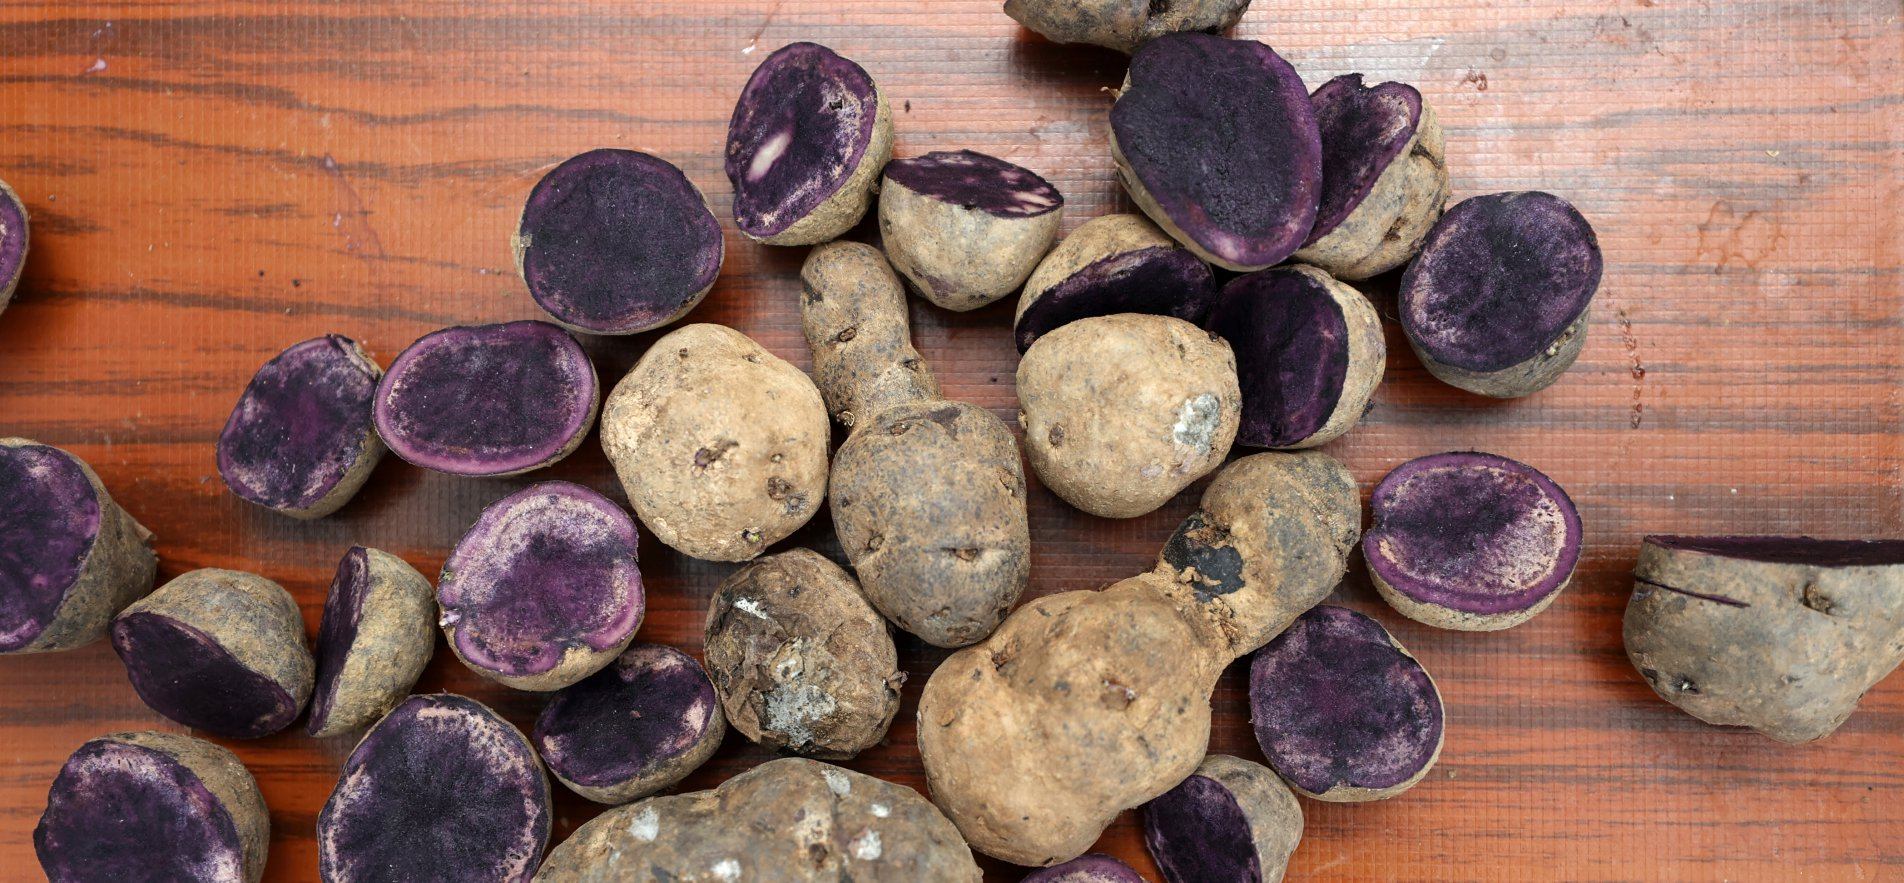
(633, 728)
(301, 439)
(544, 589)
(805, 146)
(1113, 264)
(441, 789)
(153, 806)
(1341, 710)
(1230, 820)
(1780, 634)
(1216, 141)
(377, 634)
(1384, 177)
(70, 558)
(1471, 541)
(1121, 24)
(966, 228)
(219, 650)
(14, 236)
(1095, 867)
(617, 242)
(488, 400)
(1496, 303)
(1309, 354)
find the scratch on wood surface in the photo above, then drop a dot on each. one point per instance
(352, 218)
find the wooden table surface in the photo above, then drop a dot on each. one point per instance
(210, 181)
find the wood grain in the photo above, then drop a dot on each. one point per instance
(210, 181)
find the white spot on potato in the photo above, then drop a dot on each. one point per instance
(769, 153)
(837, 781)
(880, 810)
(1197, 422)
(726, 869)
(645, 826)
(751, 607)
(866, 846)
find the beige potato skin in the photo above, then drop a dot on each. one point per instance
(1460, 620)
(1120, 24)
(395, 637)
(119, 569)
(1094, 240)
(841, 211)
(853, 313)
(956, 257)
(226, 777)
(1122, 412)
(1084, 704)
(250, 617)
(720, 444)
(1532, 375)
(786, 821)
(1389, 226)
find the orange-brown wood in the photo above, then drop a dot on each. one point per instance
(210, 181)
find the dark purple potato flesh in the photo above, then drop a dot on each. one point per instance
(118, 811)
(303, 429)
(545, 579)
(1364, 129)
(616, 242)
(1471, 535)
(1219, 137)
(1341, 711)
(977, 182)
(186, 675)
(1198, 831)
(1163, 281)
(440, 789)
(1291, 342)
(802, 126)
(337, 631)
(49, 525)
(13, 242)
(631, 724)
(488, 399)
(1500, 279)
(1095, 867)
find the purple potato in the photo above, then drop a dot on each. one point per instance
(1231, 820)
(1120, 24)
(966, 228)
(1780, 634)
(302, 439)
(1384, 177)
(219, 650)
(13, 242)
(1341, 710)
(1496, 303)
(1113, 264)
(1094, 867)
(1309, 354)
(441, 789)
(488, 400)
(1216, 141)
(1471, 541)
(633, 728)
(153, 806)
(617, 242)
(377, 634)
(70, 557)
(544, 589)
(809, 136)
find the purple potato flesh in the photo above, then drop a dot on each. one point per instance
(184, 674)
(13, 242)
(1791, 550)
(977, 182)
(1216, 140)
(633, 728)
(1343, 712)
(1363, 129)
(806, 123)
(1093, 867)
(1309, 354)
(301, 439)
(48, 528)
(544, 589)
(441, 789)
(616, 242)
(1162, 280)
(1197, 831)
(377, 634)
(488, 400)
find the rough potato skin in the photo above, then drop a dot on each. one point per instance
(228, 779)
(1389, 225)
(720, 445)
(395, 638)
(1533, 375)
(922, 232)
(1121, 24)
(118, 571)
(1122, 412)
(1787, 649)
(842, 210)
(786, 821)
(853, 311)
(801, 661)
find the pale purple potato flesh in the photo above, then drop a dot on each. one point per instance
(182, 672)
(488, 399)
(1499, 280)
(1221, 135)
(617, 241)
(1094, 867)
(1336, 705)
(13, 241)
(647, 710)
(1160, 280)
(124, 812)
(1792, 550)
(549, 568)
(1292, 354)
(440, 789)
(802, 125)
(1472, 532)
(48, 528)
(977, 182)
(1198, 831)
(1364, 129)
(301, 425)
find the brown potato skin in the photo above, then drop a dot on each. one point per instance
(800, 660)
(1538, 372)
(1387, 229)
(853, 312)
(1120, 24)
(395, 638)
(956, 257)
(790, 819)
